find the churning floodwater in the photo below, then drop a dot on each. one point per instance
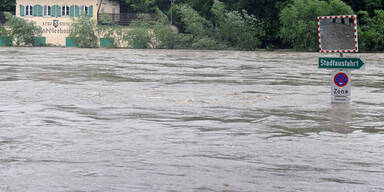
(106, 120)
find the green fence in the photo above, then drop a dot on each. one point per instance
(106, 42)
(70, 42)
(5, 41)
(39, 41)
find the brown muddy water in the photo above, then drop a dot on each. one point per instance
(74, 120)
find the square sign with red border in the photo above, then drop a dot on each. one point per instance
(338, 34)
(341, 83)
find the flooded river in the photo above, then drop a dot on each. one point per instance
(99, 120)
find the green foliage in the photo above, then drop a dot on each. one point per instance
(239, 30)
(203, 7)
(145, 6)
(3, 31)
(166, 36)
(201, 30)
(83, 29)
(371, 35)
(299, 25)
(208, 43)
(194, 23)
(366, 5)
(140, 35)
(23, 31)
(139, 38)
(7, 5)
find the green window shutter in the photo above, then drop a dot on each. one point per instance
(22, 11)
(40, 10)
(58, 11)
(72, 11)
(90, 11)
(34, 10)
(77, 11)
(53, 10)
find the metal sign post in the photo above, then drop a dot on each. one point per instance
(338, 34)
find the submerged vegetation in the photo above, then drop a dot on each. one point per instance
(214, 24)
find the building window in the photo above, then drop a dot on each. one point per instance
(65, 10)
(28, 10)
(84, 10)
(47, 10)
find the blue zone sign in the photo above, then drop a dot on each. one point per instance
(341, 83)
(341, 79)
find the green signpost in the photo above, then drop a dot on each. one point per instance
(340, 63)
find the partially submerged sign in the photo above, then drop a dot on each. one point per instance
(338, 34)
(340, 85)
(340, 63)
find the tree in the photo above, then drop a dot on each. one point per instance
(267, 12)
(23, 31)
(145, 6)
(83, 31)
(237, 29)
(7, 5)
(299, 24)
(366, 5)
(371, 35)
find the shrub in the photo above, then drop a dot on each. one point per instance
(140, 35)
(227, 28)
(200, 31)
(299, 24)
(83, 31)
(194, 23)
(166, 37)
(207, 43)
(23, 31)
(110, 30)
(238, 30)
(3, 31)
(138, 38)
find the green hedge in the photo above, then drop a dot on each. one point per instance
(39, 41)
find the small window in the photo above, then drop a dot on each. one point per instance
(65, 10)
(47, 10)
(84, 10)
(28, 10)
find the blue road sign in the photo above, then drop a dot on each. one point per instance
(341, 79)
